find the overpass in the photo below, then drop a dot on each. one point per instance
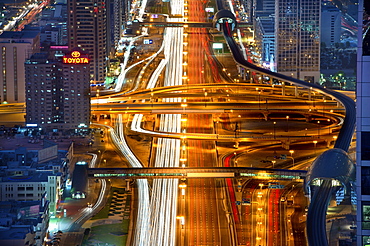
(201, 172)
(186, 24)
(316, 216)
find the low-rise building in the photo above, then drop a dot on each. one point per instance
(24, 222)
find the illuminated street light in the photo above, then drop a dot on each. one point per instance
(291, 155)
(274, 130)
(182, 220)
(287, 123)
(318, 129)
(315, 142)
(273, 163)
(182, 187)
(259, 100)
(335, 138)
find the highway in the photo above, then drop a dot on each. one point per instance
(207, 223)
(178, 67)
(193, 92)
(316, 232)
(317, 211)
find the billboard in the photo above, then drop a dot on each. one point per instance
(47, 154)
(217, 45)
(76, 57)
(148, 41)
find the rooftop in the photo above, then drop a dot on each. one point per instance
(19, 35)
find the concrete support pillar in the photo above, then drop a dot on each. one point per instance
(283, 88)
(266, 115)
(250, 77)
(242, 73)
(128, 184)
(296, 91)
(285, 144)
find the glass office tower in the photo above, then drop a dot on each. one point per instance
(297, 33)
(363, 125)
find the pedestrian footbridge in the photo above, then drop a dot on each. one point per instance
(203, 172)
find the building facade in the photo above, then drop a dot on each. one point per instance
(363, 126)
(58, 91)
(87, 29)
(265, 41)
(15, 48)
(31, 185)
(297, 33)
(331, 25)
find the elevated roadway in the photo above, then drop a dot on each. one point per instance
(316, 217)
(201, 172)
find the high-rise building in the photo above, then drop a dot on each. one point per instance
(58, 92)
(87, 29)
(265, 40)
(363, 125)
(15, 48)
(116, 19)
(264, 7)
(297, 33)
(330, 24)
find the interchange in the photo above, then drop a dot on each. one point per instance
(167, 237)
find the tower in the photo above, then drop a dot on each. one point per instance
(15, 48)
(297, 33)
(58, 92)
(363, 125)
(87, 29)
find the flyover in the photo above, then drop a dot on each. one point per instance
(201, 172)
(316, 217)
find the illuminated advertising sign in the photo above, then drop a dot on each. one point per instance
(76, 58)
(148, 41)
(217, 45)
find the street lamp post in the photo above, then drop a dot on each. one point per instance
(315, 142)
(274, 130)
(259, 100)
(291, 155)
(97, 101)
(205, 100)
(323, 108)
(318, 129)
(335, 138)
(151, 99)
(273, 163)
(287, 123)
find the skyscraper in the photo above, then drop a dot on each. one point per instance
(331, 28)
(87, 29)
(15, 48)
(297, 33)
(58, 92)
(116, 19)
(363, 125)
(264, 7)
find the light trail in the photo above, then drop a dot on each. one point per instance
(87, 212)
(165, 192)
